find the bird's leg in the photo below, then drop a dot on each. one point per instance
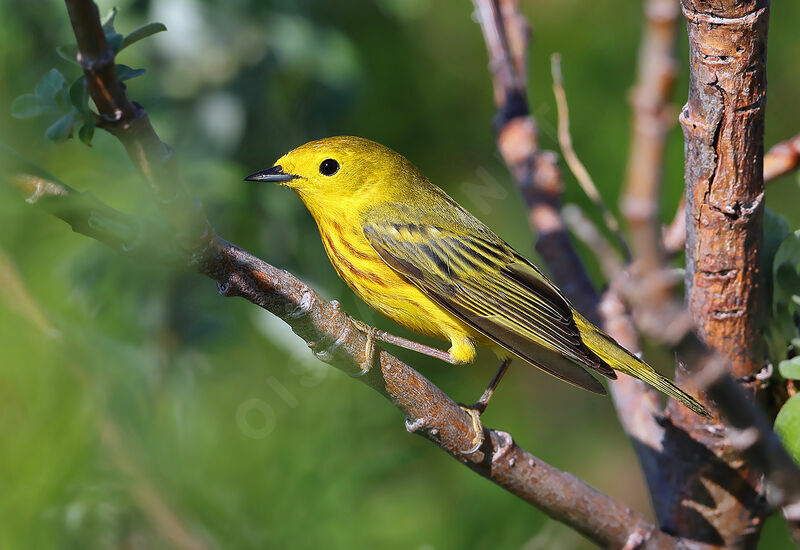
(482, 403)
(476, 409)
(381, 336)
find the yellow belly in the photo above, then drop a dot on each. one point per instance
(384, 290)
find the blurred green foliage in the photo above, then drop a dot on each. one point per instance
(135, 402)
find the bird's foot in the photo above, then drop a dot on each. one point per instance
(477, 426)
(369, 350)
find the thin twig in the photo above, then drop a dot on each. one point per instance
(782, 159)
(674, 235)
(588, 233)
(653, 117)
(575, 165)
(644, 287)
(750, 432)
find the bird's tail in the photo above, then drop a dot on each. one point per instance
(618, 358)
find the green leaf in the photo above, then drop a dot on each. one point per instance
(68, 52)
(86, 133)
(786, 270)
(108, 22)
(79, 95)
(790, 368)
(30, 105)
(50, 85)
(787, 426)
(126, 73)
(114, 40)
(62, 128)
(776, 229)
(142, 32)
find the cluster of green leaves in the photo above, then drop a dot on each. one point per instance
(782, 269)
(69, 103)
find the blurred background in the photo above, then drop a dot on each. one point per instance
(139, 409)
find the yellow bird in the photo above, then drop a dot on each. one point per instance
(415, 255)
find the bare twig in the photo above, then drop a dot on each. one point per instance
(644, 284)
(653, 116)
(535, 172)
(584, 229)
(674, 234)
(575, 165)
(782, 159)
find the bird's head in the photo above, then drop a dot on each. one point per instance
(341, 169)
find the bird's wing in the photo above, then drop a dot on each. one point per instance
(486, 284)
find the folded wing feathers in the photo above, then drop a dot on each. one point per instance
(476, 277)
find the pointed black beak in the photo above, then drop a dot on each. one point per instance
(274, 174)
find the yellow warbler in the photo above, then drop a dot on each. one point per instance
(412, 253)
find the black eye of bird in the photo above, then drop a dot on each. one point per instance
(328, 167)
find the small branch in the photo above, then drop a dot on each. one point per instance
(674, 235)
(782, 159)
(97, 61)
(131, 125)
(636, 403)
(653, 117)
(575, 165)
(535, 172)
(587, 232)
(638, 406)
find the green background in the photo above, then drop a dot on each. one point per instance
(153, 405)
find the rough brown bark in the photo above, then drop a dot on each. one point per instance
(723, 123)
(714, 495)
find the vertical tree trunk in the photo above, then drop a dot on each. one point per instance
(715, 497)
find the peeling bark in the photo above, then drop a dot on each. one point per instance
(714, 495)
